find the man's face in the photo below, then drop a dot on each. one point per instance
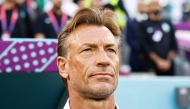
(155, 6)
(81, 3)
(97, 3)
(142, 8)
(93, 61)
(19, 2)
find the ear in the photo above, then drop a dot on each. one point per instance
(61, 64)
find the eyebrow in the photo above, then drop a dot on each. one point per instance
(90, 45)
(110, 45)
(95, 45)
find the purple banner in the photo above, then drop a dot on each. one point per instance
(183, 36)
(32, 55)
(18, 55)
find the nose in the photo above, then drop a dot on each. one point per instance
(102, 60)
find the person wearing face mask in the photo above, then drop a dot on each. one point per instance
(157, 38)
(136, 59)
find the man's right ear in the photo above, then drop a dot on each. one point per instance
(61, 64)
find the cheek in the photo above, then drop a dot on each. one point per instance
(115, 63)
(78, 68)
(114, 59)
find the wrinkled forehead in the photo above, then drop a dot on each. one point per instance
(92, 34)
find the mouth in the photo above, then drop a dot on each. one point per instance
(102, 77)
(102, 74)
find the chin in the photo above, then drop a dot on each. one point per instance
(102, 91)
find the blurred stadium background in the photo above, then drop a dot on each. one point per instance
(29, 78)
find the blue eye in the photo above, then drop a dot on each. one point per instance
(87, 50)
(111, 50)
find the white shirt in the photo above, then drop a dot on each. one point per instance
(67, 106)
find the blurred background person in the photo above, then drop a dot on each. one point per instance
(136, 60)
(186, 11)
(31, 7)
(97, 3)
(68, 6)
(14, 21)
(49, 24)
(157, 39)
(80, 3)
(118, 7)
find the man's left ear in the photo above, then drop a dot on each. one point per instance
(61, 64)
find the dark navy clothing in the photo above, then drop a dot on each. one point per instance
(157, 37)
(145, 33)
(23, 27)
(43, 25)
(135, 62)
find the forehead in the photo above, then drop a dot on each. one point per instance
(91, 34)
(154, 3)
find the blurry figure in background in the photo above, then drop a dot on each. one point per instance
(136, 57)
(186, 11)
(14, 22)
(80, 3)
(31, 7)
(26, 4)
(49, 24)
(118, 8)
(93, 3)
(68, 6)
(157, 39)
(97, 3)
(167, 10)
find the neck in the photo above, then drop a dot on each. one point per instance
(155, 17)
(8, 5)
(78, 101)
(57, 10)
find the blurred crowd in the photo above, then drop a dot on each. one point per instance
(149, 31)
(45, 18)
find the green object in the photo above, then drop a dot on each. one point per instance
(41, 3)
(122, 17)
(114, 2)
(88, 3)
(32, 91)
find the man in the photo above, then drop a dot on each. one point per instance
(158, 40)
(97, 3)
(48, 25)
(80, 3)
(88, 60)
(14, 22)
(136, 58)
(31, 7)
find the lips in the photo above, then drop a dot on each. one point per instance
(102, 74)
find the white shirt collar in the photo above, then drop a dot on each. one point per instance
(67, 106)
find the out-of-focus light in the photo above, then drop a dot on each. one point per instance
(147, 2)
(186, 8)
(163, 3)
